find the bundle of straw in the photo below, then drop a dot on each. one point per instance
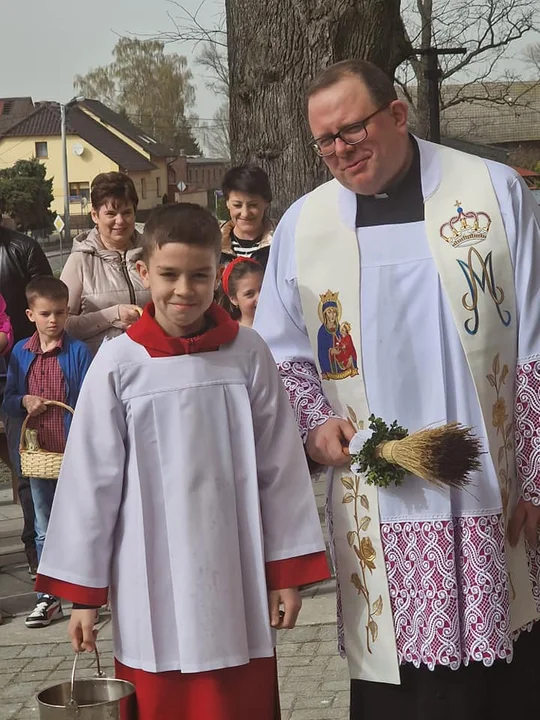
(445, 455)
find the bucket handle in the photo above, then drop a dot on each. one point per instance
(72, 702)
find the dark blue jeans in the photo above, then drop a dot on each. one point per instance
(43, 495)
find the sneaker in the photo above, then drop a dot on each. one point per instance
(32, 571)
(47, 610)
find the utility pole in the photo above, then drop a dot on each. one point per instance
(433, 74)
(67, 224)
(67, 227)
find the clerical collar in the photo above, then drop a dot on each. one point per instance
(402, 202)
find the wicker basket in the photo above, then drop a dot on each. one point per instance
(40, 463)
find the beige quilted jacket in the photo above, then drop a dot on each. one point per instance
(99, 280)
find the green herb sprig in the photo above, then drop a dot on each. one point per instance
(378, 471)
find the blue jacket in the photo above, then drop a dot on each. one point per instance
(74, 359)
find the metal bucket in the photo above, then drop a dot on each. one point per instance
(97, 698)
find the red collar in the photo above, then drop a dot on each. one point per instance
(150, 335)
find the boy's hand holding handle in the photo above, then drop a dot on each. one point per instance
(291, 601)
(81, 630)
(34, 405)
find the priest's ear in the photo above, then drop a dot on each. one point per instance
(142, 269)
(400, 112)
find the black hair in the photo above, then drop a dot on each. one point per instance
(184, 223)
(249, 179)
(48, 287)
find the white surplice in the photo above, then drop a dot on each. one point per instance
(444, 549)
(182, 477)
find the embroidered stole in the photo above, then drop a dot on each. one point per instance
(471, 251)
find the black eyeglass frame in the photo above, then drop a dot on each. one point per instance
(313, 144)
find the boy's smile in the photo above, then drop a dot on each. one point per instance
(182, 279)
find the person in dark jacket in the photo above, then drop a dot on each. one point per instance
(21, 260)
(248, 233)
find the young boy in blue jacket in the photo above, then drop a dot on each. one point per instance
(50, 365)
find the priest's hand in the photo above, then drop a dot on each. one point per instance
(328, 444)
(526, 517)
(81, 630)
(284, 619)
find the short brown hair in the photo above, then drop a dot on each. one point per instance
(184, 223)
(114, 186)
(380, 87)
(48, 287)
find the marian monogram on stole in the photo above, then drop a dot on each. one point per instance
(467, 229)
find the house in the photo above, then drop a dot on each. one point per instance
(501, 114)
(12, 110)
(98, 140)
(200, 178)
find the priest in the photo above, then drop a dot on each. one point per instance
(426, 258)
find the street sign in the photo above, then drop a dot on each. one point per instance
(58, 223)
(181, 186)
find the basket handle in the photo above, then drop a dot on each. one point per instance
(27, 418)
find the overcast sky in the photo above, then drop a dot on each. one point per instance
(45, 43)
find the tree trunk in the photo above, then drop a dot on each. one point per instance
(275, 48)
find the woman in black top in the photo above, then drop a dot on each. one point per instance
(248, 233)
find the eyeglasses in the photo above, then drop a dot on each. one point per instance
(351, 135)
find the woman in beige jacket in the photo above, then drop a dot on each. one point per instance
(105, 291)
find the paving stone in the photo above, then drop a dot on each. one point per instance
(20, 691)
(6, 678)
(322, 714)
(8, 711)
(335, 685)
(292, 649)
(16, 664)
(316, 701)
(286, 700)
(42, 664)
(38, 651)
(342, 700)
(8, 652)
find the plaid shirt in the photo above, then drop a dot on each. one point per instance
(46, 380)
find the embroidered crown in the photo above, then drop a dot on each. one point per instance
(466, 228)
(329, 297)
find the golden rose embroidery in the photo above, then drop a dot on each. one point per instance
(500, 421)
(365, 553)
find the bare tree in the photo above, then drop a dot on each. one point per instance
(210, 43)
(215, 135)
(531, 56)
(486, 29)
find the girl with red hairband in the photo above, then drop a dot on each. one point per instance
(241, 283)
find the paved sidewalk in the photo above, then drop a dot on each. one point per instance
(313, 678)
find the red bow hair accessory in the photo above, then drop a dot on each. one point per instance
(230, 267)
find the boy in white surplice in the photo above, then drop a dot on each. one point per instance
(185, 494)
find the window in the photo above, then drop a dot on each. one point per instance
(78, 191)
(143, 188)
(41, 150)
(158, 187)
